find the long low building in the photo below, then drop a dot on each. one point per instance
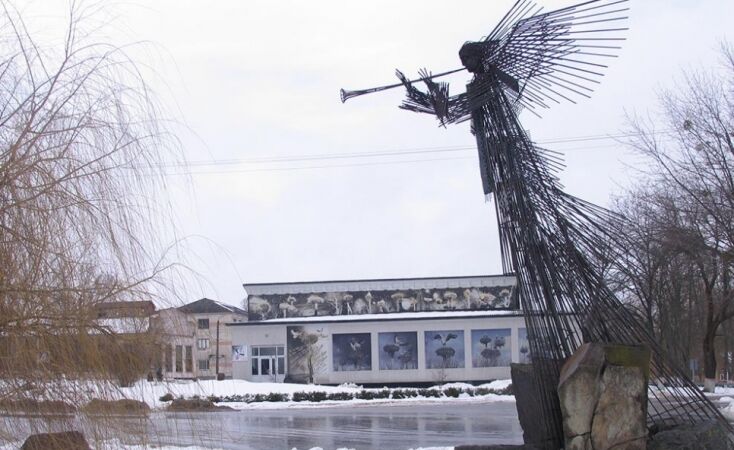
(421, 330)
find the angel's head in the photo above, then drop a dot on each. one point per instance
(471, 55)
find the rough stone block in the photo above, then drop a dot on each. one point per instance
(603, 396)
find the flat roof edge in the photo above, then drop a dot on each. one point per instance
(456, 277)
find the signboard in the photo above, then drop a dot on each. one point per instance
(239, 353)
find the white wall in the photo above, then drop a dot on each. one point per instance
(275, 334)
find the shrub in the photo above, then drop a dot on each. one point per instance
(365, 395)
(167, 397)
(276, 397)
(404, 393)
(195, 405)
(383, 393)
(340, 396)
(429, 393)
(214, 398)
(398, 394)
(482, 391)
(452, 392)
(506, 391)
(32, 406)
(317, 396)
(122, 407)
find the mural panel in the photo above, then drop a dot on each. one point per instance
(375, 302)
(491, 348)
(351, 352)
(398, 351)
(306, 352)
(444, 349)
(522, 342)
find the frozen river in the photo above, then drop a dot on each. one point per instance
(357, 427)
(366, 427)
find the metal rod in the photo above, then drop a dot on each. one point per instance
(346, 95)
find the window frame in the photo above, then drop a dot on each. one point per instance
(200, 324)
(179, 359)
(189, 358)
(204, 341)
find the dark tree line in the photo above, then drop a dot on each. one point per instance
(674, 258)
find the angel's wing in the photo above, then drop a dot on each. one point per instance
(557, 55)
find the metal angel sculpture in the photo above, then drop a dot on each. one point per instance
(551, 240)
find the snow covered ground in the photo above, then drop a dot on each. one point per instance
(151, 392)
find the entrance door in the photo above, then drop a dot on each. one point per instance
(268, 363)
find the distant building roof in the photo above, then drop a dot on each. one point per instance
(313, 287)
(209, 306)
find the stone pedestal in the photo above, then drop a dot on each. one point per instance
(536, 433)
(603, 396)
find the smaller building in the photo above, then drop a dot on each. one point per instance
(397, 331)
(197, 344)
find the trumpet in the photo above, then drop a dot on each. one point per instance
(346, 95)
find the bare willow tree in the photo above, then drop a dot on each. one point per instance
(679, 251)
(81, 147)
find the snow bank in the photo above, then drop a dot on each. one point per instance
(151, 392)
(728, 412)
(115, 444)
(724, 390)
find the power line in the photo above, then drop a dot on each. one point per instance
(287, 169)
(373, 154)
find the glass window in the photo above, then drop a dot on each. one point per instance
(255, 351)
(179, 358)
(169, 358)
(203, 324)
(264, 366)
(267, 351)
(204, 364)
(281, 350)
(255, 367)
(189, 359)
(202, 344)
(281, 366)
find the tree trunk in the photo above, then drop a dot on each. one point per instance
(709, 359)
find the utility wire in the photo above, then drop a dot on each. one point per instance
(372, 154)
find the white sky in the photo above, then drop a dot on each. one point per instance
(261, 78)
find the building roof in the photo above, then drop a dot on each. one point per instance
(312, 287)
(209, 306)
(426, 315)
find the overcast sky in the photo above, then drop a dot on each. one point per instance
(260, 79)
